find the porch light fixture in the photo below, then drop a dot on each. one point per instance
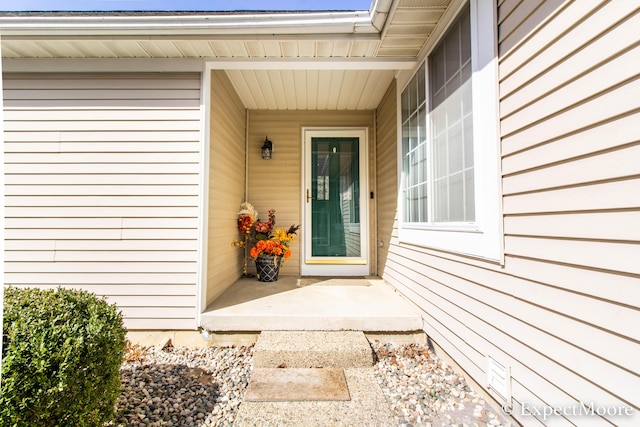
(267, 149)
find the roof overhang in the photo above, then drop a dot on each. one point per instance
(326, 51)
(168, 24)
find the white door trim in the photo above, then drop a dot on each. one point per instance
(327, 266)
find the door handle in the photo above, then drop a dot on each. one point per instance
(309, 196)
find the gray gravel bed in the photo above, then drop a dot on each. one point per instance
(204, 387)
(423, 390)
(183, 386)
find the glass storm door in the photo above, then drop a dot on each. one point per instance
(335, 204)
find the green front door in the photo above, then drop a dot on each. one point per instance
(334, 204)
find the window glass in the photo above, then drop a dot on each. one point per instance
(452, 122)
(414, 137)
(439, 166)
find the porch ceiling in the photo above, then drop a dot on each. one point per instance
(394, 30)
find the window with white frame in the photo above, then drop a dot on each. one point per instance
(449, 150)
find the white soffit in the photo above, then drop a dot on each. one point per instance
(311, 89)
(332, 60)
(411, 24)
(393, 28)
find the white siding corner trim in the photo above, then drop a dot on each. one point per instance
(203, 223)
(1, 187)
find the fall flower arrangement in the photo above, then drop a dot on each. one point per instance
(272, 240)
(276, 244)
(269, 240)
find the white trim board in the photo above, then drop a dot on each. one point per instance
(101, 65)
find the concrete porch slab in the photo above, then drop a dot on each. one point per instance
(325, 304)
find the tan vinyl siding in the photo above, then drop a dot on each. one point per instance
(563, 312)
(570, 150)
(226, 185)
(276, 183)
(386, 174)
(102, 174)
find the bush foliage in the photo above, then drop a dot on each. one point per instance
(61, 356)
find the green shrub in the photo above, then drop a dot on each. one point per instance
(61, 356)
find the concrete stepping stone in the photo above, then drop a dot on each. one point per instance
(367, 407)
(296, 384)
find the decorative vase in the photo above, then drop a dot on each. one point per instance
(267, 268)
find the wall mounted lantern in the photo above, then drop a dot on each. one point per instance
(267, 149)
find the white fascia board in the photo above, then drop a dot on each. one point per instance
(167, 25)
(62, 65)
(379, 13)
(311, 63)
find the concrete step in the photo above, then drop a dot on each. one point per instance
(312, 349)
(326, 379)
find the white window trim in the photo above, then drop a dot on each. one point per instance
(483, 237)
